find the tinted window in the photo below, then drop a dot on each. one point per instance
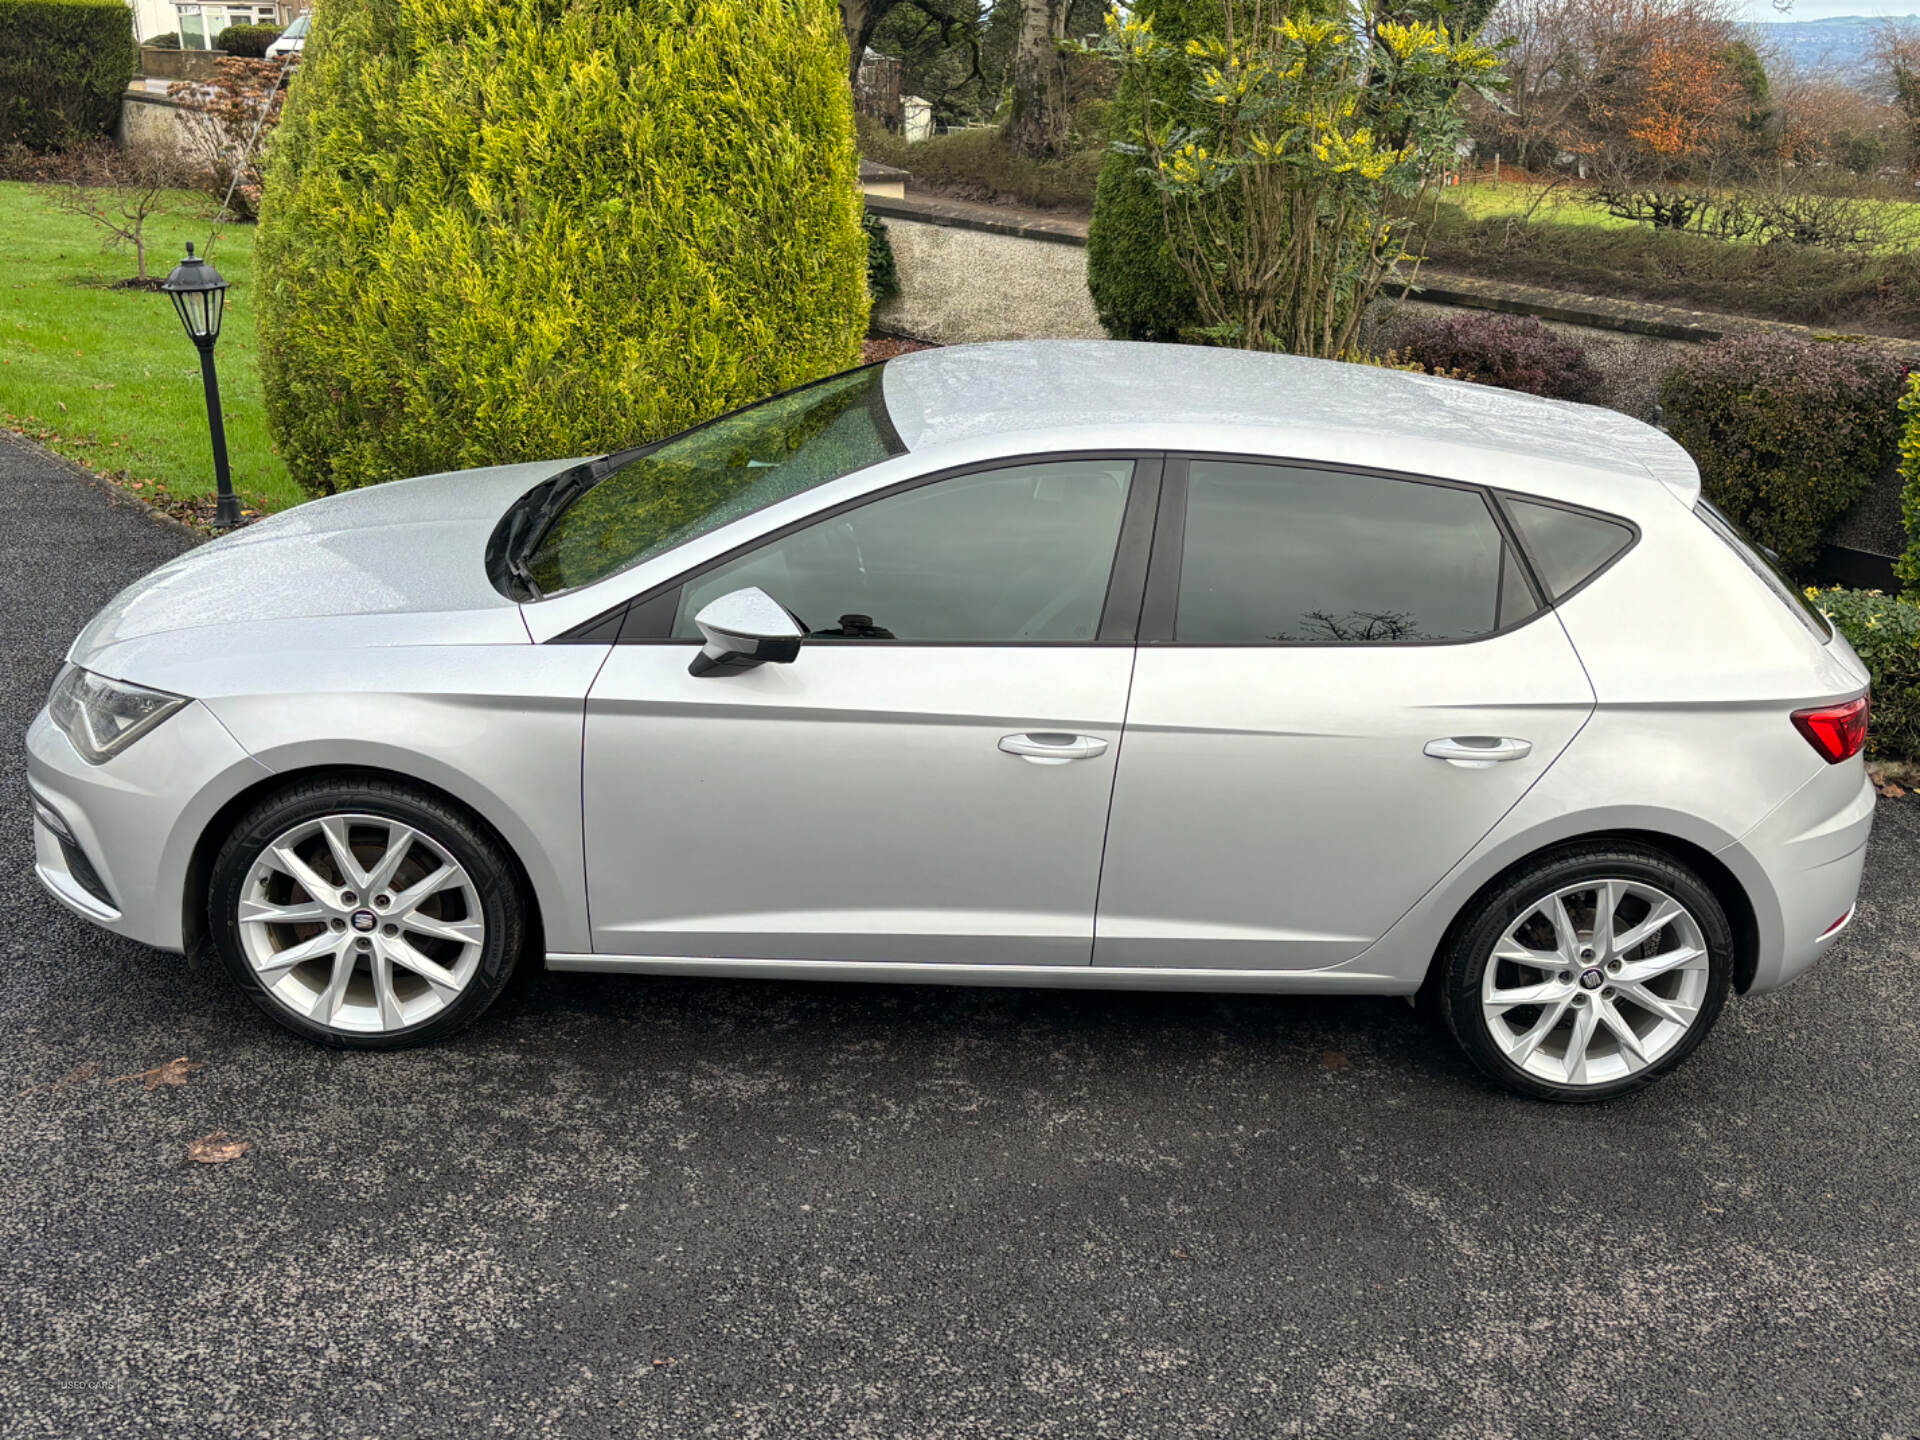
(1283, 554)
(1008, 555)
(1566, 546)
(703, 479)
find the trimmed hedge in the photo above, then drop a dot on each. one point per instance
(1787, 432)
(1908, 565)
(168, 41)
(497, 230)
(247, 41)
(1515, 352)
(64, 64)
(1139, 291)
(1886, 632)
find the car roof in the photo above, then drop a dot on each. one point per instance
(1184, 396)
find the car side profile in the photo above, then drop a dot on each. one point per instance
(1052, 663)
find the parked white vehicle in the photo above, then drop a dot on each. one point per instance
(292, 40)
(1068, 664)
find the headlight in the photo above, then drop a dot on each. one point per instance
(101, 716)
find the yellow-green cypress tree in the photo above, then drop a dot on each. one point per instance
(500, 230)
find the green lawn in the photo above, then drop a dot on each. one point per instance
(108, 377)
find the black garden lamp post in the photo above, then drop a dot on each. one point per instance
(200, 297)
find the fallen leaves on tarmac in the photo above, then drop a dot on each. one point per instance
(174, 1072)
(217, 1148)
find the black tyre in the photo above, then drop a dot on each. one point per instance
(365, 914)
(1588, 972)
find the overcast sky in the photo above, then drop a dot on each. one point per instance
(1827, 9)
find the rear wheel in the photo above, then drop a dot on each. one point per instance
(1589, 973)
(364, 914)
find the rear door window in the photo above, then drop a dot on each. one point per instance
(1286, 554)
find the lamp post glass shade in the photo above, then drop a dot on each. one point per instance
(199, 296)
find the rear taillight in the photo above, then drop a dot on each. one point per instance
(1838, 732)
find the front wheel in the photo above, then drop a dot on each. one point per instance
(1590, 972)
(365, 914)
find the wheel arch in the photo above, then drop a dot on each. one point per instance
(193, 906)
(1713, 870)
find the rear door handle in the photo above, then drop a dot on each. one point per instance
(1477, 752)
(1048, 747)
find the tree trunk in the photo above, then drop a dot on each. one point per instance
(1038, 124)
(858, 18)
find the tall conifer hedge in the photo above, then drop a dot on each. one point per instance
(507, 229)
(1139, 292)
(64, 64)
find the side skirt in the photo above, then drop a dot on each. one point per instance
(1052, 977)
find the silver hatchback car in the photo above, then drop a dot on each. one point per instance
(1064, 664)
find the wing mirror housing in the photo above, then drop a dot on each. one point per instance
(745, 628)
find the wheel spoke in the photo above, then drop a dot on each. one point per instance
(384, 993)
(334, 827)
(1684, 957)
(435, 974)
(1655, 1005)
(1504, 1000)
(328, 1005)
(1663, 914)
(1607, 896)
(400, 840)
(1584, 1023)
(304, 875)
(281, 961)
(1550, 1017)
(1518, 954)
(448, 877)
(461, 932)
(1565, 936)
(262, 912)
(1623, 1032)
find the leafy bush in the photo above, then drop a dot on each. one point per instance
(977, 165)
(883, 277)
(1787, 432)
(168, 41)
(64, 65)
(1886, 632)
(1139, 290)
(225, 124)
(1908, 565)
(1515, 352)
(248, 41)
(502, 229)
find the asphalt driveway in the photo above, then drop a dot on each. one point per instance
(677, 1208)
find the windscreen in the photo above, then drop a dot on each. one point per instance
(701, 480)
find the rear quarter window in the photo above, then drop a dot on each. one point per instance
(1567, 547)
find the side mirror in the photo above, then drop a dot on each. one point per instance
(745, 628)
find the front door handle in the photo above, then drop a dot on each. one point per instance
(1477, 752)
(1050, 747)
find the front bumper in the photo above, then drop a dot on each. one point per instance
(132, 822)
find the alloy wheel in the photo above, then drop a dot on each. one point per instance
(1595, 982)
(360, 923)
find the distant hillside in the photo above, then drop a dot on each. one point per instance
(1842, 45)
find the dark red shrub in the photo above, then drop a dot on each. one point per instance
(1787, 432)
(1515, 352)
